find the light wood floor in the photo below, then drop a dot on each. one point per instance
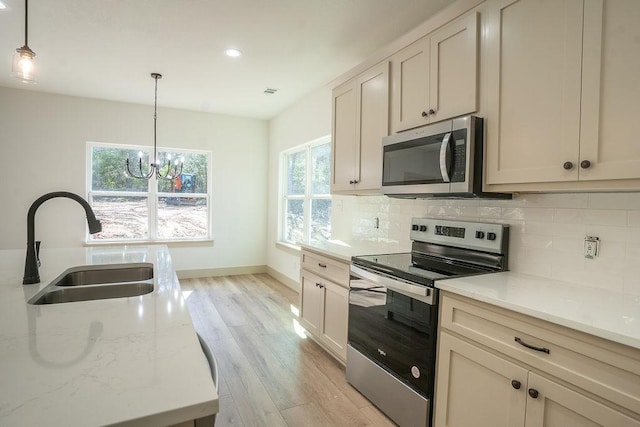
(269, 375)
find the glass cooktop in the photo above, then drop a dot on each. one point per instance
(414, 267)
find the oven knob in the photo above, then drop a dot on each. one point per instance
(414, 227)
(423, 228)
(479, 234)
(415, 371)
(491, 236)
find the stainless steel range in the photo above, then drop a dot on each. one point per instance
(393, 311)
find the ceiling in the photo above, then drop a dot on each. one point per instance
(106, 49)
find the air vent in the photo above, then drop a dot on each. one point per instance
(270, 91)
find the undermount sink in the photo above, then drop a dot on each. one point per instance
(94, 282)
(87, 293)
(107, 273)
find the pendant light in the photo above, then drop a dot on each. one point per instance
(23, 60)
(155, 168)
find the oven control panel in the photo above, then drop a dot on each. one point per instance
(488, 237)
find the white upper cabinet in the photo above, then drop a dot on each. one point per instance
(534, 62)
(610, 90)
(562, 93)
(436, 77)
(360, 121)
(343, 140)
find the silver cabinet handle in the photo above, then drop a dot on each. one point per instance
(445, 156)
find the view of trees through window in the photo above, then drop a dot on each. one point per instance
(139, 209)
(306, 193)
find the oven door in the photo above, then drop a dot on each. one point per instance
(394, 324)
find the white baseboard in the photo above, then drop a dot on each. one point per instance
(290, 283)
(234, 271)
(227, 271)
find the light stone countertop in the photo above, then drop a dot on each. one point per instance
(343, 251)
(127, 361)
(603, 313)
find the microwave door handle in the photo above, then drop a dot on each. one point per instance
(445, 156)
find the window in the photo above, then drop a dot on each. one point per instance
(148, 210)
(306, 199)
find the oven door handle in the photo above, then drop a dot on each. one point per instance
(421, 293)
(445, 157)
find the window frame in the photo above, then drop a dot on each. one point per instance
(307, 197)
(152, 194)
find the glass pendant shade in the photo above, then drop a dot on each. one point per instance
(23, 67)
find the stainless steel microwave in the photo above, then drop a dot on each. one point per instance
(439, 160)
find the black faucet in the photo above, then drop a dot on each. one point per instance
(31, 274)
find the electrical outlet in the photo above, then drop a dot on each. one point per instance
(591, 247)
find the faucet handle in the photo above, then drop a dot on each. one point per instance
(38, 252)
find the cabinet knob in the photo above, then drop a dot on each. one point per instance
(585, 164)
(353, 181)
(533, 393)
(516, 384)
(432, 112)
(425, 114)
(567, 165)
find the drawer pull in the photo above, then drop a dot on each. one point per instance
(321, 265)
(532, 347)
(516, 384)
(533, 393)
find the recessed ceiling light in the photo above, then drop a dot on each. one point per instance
(234, 53)
(2, 5)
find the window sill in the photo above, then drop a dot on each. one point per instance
(290, 247)
(170, 243)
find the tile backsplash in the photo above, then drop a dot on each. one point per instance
(547, 231)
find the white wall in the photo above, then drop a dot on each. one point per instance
(42, 149)
(306, 121)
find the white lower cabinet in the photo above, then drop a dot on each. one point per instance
(474, 387)
(485, 377)
(324, 305)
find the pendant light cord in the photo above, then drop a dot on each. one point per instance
(155, 121)
(26, 22)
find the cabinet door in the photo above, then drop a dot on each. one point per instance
(556, 405)
(334, 322)
(410, 87)
(373, 114)
(454, 69)
(311, 303)
(534, 54)
(611, 93)
(344, 134)
(474, 387)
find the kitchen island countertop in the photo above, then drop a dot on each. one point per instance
(127, 361)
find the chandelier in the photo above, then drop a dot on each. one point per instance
(155, 168)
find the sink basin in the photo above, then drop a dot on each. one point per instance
(107, 273)
(94, 282)
(95, 292)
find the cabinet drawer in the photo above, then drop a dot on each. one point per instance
(326, 267)
(604, 368)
